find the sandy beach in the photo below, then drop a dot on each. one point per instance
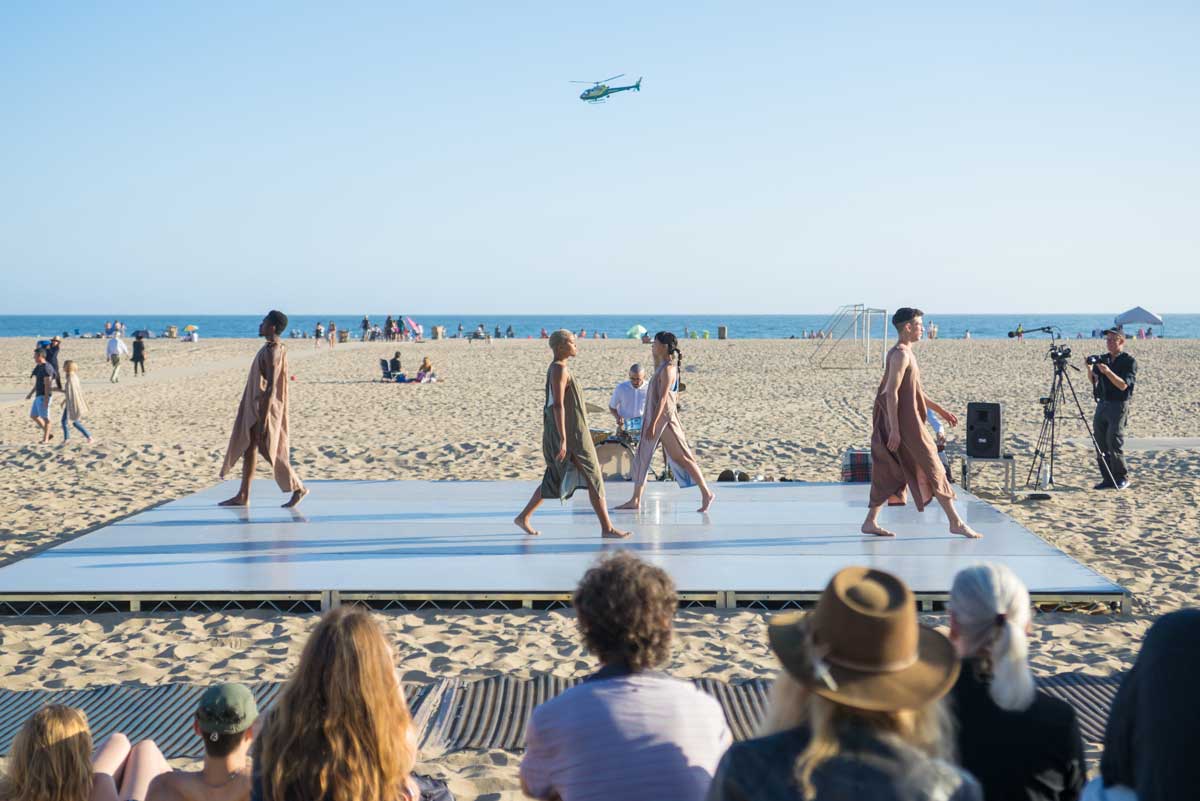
(758, 406)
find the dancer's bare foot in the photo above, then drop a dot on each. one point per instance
(523, 524)
(706, 499)
(877, 530)
(297, 496)
(615, 534)
(964, 530)
(236, 500)
(630, 505)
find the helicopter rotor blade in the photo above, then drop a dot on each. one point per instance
(613, 78)
(589, 83)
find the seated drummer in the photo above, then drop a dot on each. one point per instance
(629, 398)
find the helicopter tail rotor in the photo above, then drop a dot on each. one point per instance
(638, 85)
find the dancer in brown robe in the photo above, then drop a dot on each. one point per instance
(660, 423)
(567, 443)
(261, 427)
(903, 454)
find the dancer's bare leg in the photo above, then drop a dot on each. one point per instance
(145, 762)
(871, 524)
(687, 461)
(636, 501)
(607, 529)
(297, 496)
(957, 524)
(522, 520)
(249, 459)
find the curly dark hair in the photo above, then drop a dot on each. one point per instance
(624, 608)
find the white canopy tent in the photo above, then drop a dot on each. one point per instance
(1137, 316)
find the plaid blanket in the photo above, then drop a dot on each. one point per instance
(856, 466)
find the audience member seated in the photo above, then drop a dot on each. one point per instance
(629, 397)
(1152, 738)
(1016, 740)
(856, 713)
(224, 721)
(51, 760)
(425, 373)
(341, 730)
(394, 364)
(626, 732)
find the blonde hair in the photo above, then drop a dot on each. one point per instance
(68, 366)
(930, 729)
(341, 730)
(992, 609)
(559, 338)
(51, 758)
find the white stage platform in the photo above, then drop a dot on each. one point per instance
(453, 544)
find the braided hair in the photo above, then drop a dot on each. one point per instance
(672, 343)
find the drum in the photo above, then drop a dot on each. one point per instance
(598, 435)
(616, 459)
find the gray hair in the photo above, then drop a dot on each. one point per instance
(637, 369)
(992, 609)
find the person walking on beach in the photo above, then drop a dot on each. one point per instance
(332, 333)
(113, 351)
(75, 407)
(52, 360)
(43, 386)
(567, 443)
(139, 354)
(903, 454)
(261, 427)
(318, 335)
(660, 423)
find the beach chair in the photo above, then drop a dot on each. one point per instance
(385, 366)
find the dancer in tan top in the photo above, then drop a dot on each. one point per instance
(660, 423)
(567, 443)
(903, 454)
(262, 419)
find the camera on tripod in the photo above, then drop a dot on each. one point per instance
(1060, 353)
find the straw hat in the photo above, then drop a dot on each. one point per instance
(863, 647)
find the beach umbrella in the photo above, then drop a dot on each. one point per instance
(412, 324)
(191, 328)
(636, 332)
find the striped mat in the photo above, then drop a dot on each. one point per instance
(450, 714)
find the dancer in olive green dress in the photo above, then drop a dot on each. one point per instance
(567, 443)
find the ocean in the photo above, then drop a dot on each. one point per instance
(740, 326)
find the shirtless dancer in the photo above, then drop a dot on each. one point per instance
(903, 454)
(262, 419)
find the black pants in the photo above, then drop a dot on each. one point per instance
(1109, 426)
(139, 363)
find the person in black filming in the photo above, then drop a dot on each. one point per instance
(1113, 376)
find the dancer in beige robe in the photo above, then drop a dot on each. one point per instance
(261, 427)
(660, 423)
(567, 443)
(903, 454)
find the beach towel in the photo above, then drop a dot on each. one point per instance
(77, 407)
(262, 417)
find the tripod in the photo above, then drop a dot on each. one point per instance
(1059, 384)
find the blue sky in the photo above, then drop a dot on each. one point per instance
(216, 157)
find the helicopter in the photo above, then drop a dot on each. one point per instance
(600, 90)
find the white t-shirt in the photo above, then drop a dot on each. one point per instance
(628, 401)
(642, 736)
